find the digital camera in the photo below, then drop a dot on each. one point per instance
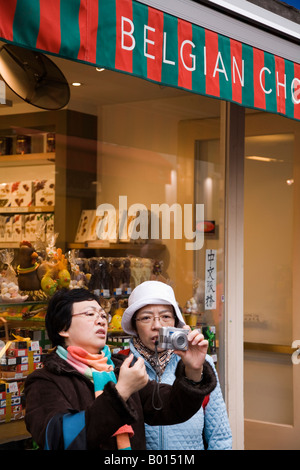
(173, 338)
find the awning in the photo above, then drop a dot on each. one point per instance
(133, 38)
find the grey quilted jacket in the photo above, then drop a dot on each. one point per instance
(209, 428)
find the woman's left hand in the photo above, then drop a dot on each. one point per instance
(194, 357)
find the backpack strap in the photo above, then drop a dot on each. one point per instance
(124, 352)
(205, 402)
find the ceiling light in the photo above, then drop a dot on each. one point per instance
(76, 84)
(263, 159)
(290, 181)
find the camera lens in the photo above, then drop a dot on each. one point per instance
(179, 341)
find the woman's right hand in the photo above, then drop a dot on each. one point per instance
(131, 379)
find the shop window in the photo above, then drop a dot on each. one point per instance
(136, 177)
(269, 254)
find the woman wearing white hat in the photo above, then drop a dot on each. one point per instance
(153, 305)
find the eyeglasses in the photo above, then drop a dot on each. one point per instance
(164, 319)
(93, 315)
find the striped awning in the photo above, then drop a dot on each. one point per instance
(131, 37)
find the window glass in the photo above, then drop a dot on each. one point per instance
(139, 188)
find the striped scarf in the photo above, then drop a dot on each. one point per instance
(159, 362)
(99, 368)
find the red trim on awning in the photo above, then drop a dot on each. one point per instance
(185, 33)
(237, 70)
(155, 47)
(7, 11)
(123, 60)
(258, 79)
(281, 89)
(50, 22)
(211, 45)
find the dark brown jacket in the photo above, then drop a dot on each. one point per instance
(59, 389)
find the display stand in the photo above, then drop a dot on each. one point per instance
(24, 316)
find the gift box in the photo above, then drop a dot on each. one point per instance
(18, 345)
(21, 194)
(12, 400)
(23, 144)
(30, 227)
(84, 225)
(16, 352)
(8, 228)
(5, 195)
(44, 192)
(15, 368)
(18, 227)
(20, 358)
(49, 225)
(12, 361)
(2, 228)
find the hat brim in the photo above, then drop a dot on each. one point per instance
(130, 311)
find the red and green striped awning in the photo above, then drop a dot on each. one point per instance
(131, 37)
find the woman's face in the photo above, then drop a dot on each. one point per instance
(88, 328)
(150, 319)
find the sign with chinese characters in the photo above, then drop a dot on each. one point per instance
(210, 279)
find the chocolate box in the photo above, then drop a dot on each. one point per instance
(21, 194)
(5, 194)
(44, 192)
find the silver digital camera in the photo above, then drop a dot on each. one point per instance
(173, 338)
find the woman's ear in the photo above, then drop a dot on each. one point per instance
(64, 334)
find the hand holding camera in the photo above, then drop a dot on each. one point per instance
(189, 345)
(170, 337)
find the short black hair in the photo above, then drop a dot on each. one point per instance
(59, 312)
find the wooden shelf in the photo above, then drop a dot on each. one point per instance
(156, 247)
(27, 159)
(24, 314)
(26, 210)
(13, 431)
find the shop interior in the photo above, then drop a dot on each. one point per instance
(120, 141)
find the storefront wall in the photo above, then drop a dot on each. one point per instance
(146, 145)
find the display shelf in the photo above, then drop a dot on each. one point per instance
(26, 314)
(153, 248)
(114, 332)
(26, 210)
(23, 315)
(27, 159)
(13, 431)
(9, 245)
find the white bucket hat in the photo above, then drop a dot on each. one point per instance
(149, 293)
